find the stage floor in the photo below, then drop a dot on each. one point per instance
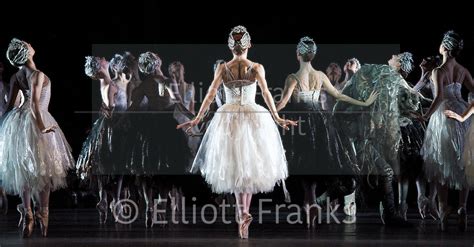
(79, 227)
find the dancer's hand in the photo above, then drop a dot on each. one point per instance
(285, 123)
(107, 111)
(51, 128)
(188, 126)
(454, 115)
(373, 96)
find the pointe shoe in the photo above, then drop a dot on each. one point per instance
(102, 208)
(444, 215)
(112, 206)
(149, 218)
(311, 215)
(403, 210)
(423, 206)
(174, 205)
(116, 209)
(433, 210)
(239, 226)
(245, 224)
(381, 213)
(173, 194)
(28, 223)
(161, 219)
(350, 206)
(462, 221)
(43, 218)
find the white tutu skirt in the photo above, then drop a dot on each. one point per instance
(468, 155)
(443, 146)
(242, 151)
(29, 158)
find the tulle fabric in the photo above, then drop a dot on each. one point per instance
(444, 141)
(155, 146)
(242, 151)
(29, 158)
(468, 155)
(310, 145)
(375, 130)
(103, 153)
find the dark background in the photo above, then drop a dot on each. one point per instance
(63, 33)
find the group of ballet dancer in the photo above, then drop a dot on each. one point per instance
(148, 130)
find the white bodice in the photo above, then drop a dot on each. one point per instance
(240, 93)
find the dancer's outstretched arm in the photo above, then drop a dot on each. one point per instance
(267, 96)
(211, 94)
(290, 84)
(342, 97)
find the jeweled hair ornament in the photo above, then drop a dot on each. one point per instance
(117, 63)
(304, 48)
(356, 61)
(17, 52)
(406, 61)
(452, 41)
(92, 66)
(244, 42)
(147, 62)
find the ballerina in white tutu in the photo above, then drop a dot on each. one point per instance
(241, 152)
(34, 155)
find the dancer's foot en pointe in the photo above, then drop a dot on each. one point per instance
(312, 213)
(423, 206)
(403, 210)
(244, 224)
(43, 219)
(427, 207)
(102, 208)
(116, 209)
(444, 215)
(433, 209)
(149, 218)
(28, 222)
